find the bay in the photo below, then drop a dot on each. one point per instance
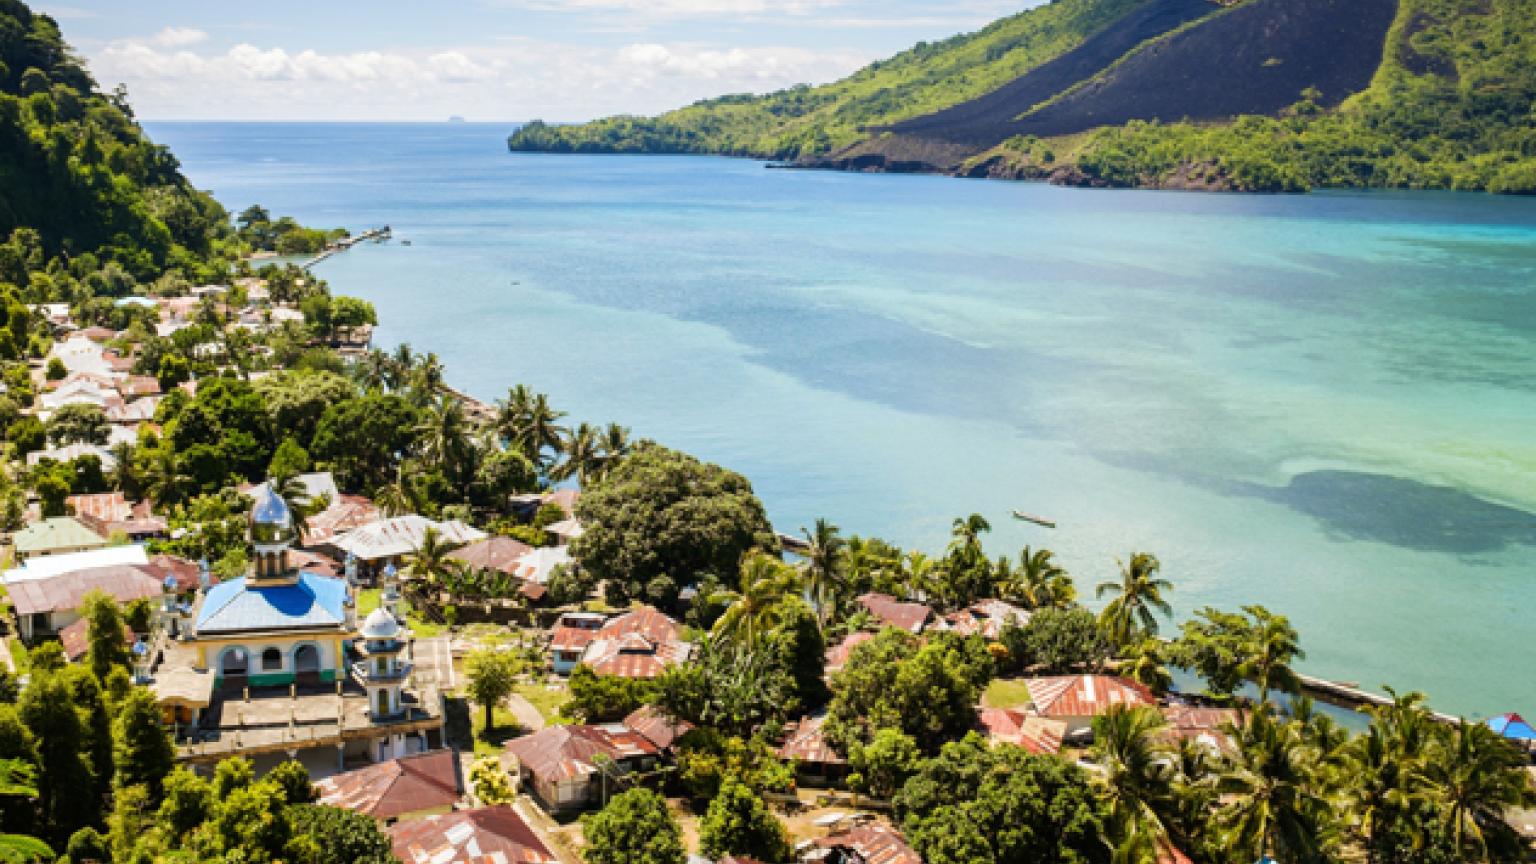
(1320, 403)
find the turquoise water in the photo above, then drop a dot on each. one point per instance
(1319, 403)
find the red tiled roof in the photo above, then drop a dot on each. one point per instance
(875, 844)
(74, 638)
(902, 615)
(655, 726)
(484, 835)
(1085, 695)
(493, 553)
(1038, 735)
(806, 743)
(557, 753)
(411, 784)
(123, 582)
(837, 655)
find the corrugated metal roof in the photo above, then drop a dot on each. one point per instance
(875, 844)
(1084, 695)
(105, 506)
(837, 655)
(558, 753)
(806, 743)
(493, 553)
(987, 618)
(655, 726)
(313, 602)
(74, 637)
(911, 617)
(45, 566)
(485, 835)
(411, 784)
(402, 535)
(1038, 735)
(60, 532)
(66, 591)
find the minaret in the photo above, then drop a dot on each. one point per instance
(382, 672)
(272, 533)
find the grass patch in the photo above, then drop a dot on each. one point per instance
(488, 741)
(1006, 693)
(550, 703)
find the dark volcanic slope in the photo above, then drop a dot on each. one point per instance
(979, 123)
(1255, 59)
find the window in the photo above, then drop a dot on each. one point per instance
(271, 660)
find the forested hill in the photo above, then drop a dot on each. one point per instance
(76, 168)
(1237, 94)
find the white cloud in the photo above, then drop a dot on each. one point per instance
(515, 80)
(178, 37)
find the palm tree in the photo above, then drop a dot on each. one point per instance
(430, 561)
(124, 475)
(427, 376)
(511, 414)
(544, 431)
(1275, 801)
(824, 558)
(17, 781)
(1136, 781)
(1479, 777)
(372, 370)
(755, 606)
(1138, 594)
(920, 574)
(615, 446)
(166, 482)
(526, 421)
(444, 438)
(401, 364)
(965, 538)
(1274, 646)
(1145, 663)
(1041, 583)
(396, 498)
(296, 496)
(583, 455)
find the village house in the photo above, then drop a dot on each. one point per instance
(641, 643)
(484, 835)
(901, 614)
(816, 762)
(569, 640)
(871, 843)
(569, 768)
(1076, 699)
(410, 787)
(71, 452)
(109, 513)
(987, 618)
(60, 535)
(1039, 735)
(45, 605)
(837, 655)
(387, 542)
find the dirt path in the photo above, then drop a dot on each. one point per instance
(527, 716)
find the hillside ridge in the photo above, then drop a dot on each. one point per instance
(1254, 95)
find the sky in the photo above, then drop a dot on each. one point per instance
(484, 60)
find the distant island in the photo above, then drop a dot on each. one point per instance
(1226, 95)
(457, 118)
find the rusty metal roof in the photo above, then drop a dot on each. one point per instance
(558, 753)
(124, 582)
(874, 844)
(902, 615)
(103, 506)
(837, 655)
(484, 835)
(493, 553)
(74, 641)
(655, 726)
(410, 784)
(807, 744)
(987, 618)
(1084, 695)
(1038, 735)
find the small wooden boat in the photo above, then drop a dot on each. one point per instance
(1038, 520)
(405, 242)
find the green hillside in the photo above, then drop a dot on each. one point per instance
(1451, 104)
(810, 121)
(76, 168)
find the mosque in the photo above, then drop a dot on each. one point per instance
(275, 665)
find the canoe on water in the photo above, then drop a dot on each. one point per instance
(1038, 520)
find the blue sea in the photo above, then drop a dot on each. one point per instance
(1325, 404)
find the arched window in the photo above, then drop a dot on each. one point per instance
(271, 660)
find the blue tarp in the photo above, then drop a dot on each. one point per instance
(1513, 726)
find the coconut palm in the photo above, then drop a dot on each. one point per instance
(755, 606)
(1145, 662)
(431, 562)
(1274, 645)
(583, 455)
(1137, 597)
(965, 538)
(400, 366)
(296, 496)
(921, 575)
(1479, 777)
(166, 482)
(615, 445)
(443, 435)
(824, 559)
(372, 370)
(1275, 801)
(1039, 582)
(426, 377)
(396, 498)
(124, 476)
(1136, 780)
